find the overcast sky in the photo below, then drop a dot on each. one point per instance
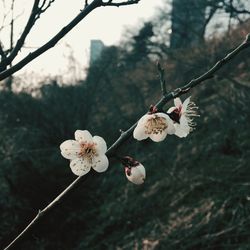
(105, 23)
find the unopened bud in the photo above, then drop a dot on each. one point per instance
(134, 170)
(136, 174)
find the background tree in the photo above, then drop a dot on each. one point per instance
(185, 25)
(39, 7)
(188, 23)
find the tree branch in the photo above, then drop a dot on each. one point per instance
(21, 40)
(125, 135)
(53, 41)
(42, 8)
(128, 2)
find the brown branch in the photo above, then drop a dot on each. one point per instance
(125, 135)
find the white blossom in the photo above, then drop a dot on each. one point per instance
(136, 174)
(156, 126)
(182, 115)
(85, 152)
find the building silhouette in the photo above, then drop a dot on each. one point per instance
(96, 48)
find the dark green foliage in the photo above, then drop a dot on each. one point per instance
(140, 45)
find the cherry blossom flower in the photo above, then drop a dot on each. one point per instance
(85, 152)
(156, 126)
(182, 115)
(134, 170)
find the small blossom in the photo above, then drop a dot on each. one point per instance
(85, 152)
(182, 115)
(156, 126)
(134, 170)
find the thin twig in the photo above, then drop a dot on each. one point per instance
(162, 79)
(125, 135)
(86, 3)
(42, 9)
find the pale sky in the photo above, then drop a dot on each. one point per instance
(105, 23)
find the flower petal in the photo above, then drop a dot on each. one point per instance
(170, 110)
(158, 137)
(185, 104)
(70, 149)
(101, 163)
(171, 127)
(184, 123)
(79, 166)
(160, 114)
(180, 132)
(170, 124)
(144, 118)
(177, 102)
(139, 132)
(83, 136)
(100, 144)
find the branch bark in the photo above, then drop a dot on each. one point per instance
(125, 135)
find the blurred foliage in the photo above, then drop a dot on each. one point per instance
(196, 195)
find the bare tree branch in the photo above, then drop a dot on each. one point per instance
(43, 9)
(21, 40)
(12, 25)
(53, 41)
(128, 2)
(125, 135)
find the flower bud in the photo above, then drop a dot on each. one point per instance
(134, 170)
(136, 174)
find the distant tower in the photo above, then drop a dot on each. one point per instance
(96, 48)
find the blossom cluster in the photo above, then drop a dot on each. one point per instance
(87, 151)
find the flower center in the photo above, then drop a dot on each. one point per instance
(156, 125)
(88, 151)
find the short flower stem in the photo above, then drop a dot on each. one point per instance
(125, 135)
